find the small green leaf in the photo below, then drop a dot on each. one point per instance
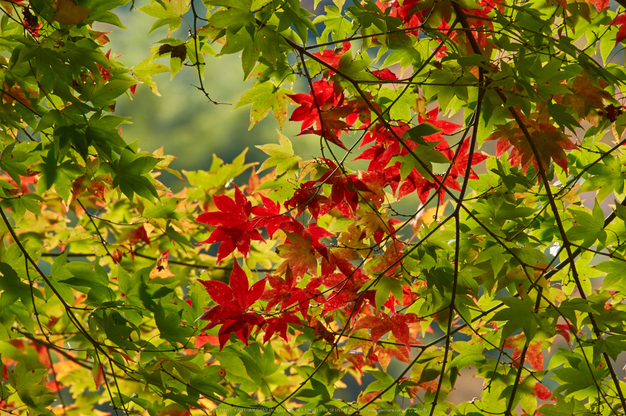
(386, 286)
(281, 156)
(519, 314)
(168, 13)
(265, 97)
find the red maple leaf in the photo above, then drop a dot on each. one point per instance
(324, 95)
(137, 235)
(541, 392)
(322, 110)
(308, 197)
(386, 146)
(600, 4)
(385, 74)
(202, 339)
(345, 292)
(280, 324)
(234, 229)
(316, 232)
(333, 56)
(375, 181)
(621, 33)
(380, 325)
(232, 305)
(268, 215)
(286, 292)
(345, 194)
(460, 161)
(382, 354)
(345, 280)
(548, 140)
(415, 182)
(446, 127)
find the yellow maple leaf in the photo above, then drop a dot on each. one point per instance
(68, 13)
(300, 257)
(428, 216)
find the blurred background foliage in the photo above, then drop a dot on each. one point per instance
(182, 120)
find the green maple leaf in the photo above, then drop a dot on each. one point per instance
(616, 275)
(167, 12)
(281, 156)
(588, 227)
(519, 314)
(384, 288)
(605, 177)
(264, 98)
(468, 353)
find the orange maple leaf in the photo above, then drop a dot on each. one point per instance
(380, 325)
(298, 255)
(549, 141)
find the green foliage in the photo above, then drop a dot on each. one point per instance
(409, 254)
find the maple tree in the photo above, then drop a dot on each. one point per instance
(462, 226)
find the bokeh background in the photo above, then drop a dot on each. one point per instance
(182, 120)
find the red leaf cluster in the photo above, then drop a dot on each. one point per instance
(380, 325)
(322, 111)
(333, 56)
(234, 229)
(232, 306)
(346, 191)
(549, 142)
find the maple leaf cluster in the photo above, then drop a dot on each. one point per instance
(321, 112)
(324, 109)
(232, 306)
(336, 284)
(587, 100)
(387, 146)
(233, 229)
(349, 281)
(550, 143)
(412, 13)
(346, 192)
